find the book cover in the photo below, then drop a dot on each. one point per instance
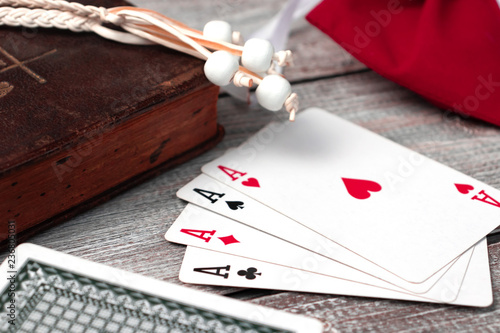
(83, 118)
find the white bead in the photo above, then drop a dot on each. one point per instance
(220, 67)
(272, 92)
(218, 31)
(257, 54)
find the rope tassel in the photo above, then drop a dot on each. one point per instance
(145, 27)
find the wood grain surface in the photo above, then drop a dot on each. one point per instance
(127, 232)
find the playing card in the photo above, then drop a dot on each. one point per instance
(220, 198)
(201, 228)
(202, 266)
(47, 291)
(392, 206)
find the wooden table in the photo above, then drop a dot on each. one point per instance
(127, 232)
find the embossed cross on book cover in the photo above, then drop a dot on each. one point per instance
(84, 118)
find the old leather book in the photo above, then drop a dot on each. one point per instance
(83, 118)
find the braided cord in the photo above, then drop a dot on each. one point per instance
(142, 26)
(33, 18)
(70, 16)
(72, 7)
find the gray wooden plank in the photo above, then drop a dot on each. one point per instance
(355, 314)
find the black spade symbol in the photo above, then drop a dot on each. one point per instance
(234, 205)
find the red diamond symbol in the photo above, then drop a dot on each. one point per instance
(229, 240)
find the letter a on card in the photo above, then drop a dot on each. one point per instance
(486, 198)
(214, 270)
(208, 194)
(199, 233)
(231, 173)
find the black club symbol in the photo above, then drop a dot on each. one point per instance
(250, 273)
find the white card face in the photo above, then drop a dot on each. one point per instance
(396, 208)
(201, 228)
(215, 196)
(80, 294)
(201, 266)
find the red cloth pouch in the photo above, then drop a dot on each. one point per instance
(446, 51)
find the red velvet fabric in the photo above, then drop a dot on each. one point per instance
(445, 50)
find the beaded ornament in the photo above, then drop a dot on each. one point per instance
(217, 44)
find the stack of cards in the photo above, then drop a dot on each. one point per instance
(322, 205)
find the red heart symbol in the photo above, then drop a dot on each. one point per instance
(464, 188)
(360, 188)
(251, 182)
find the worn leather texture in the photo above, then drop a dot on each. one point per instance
(83, 118)
(58, 86)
